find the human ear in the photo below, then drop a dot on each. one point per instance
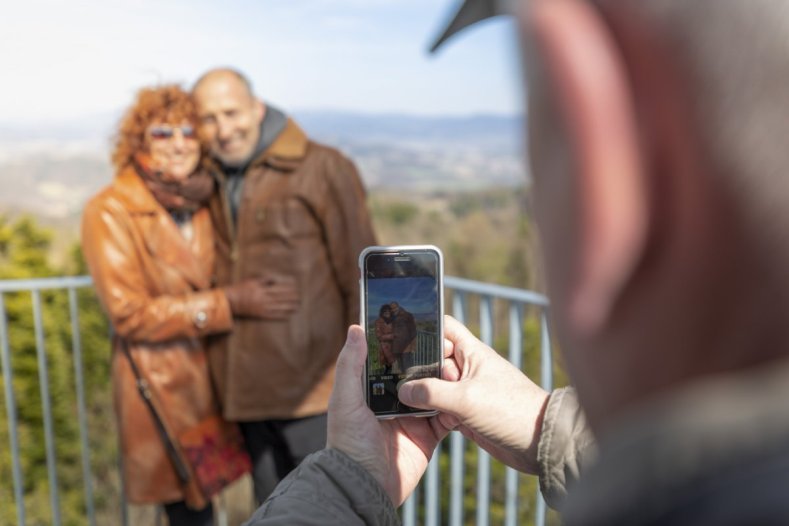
(588, 78)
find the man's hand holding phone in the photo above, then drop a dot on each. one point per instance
(481, 395)
(395, 451)
(484, 397)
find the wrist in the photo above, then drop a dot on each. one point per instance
(232, 300)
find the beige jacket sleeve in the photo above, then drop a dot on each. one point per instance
(566, 446)
(327, 488)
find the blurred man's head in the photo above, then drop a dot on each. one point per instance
(230, 115)
(656, 141)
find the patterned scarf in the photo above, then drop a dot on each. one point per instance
(175, 196)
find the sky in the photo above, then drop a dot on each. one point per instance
(417, 295)
(77, 59)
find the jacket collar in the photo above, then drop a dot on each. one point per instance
(285, 153)
(288, 149)
(133, 192)
(160, 233)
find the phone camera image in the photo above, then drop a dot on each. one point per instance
(402, 296)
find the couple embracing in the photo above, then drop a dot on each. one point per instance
(223, 229)
(395, 329)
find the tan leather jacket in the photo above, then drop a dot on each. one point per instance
(302, 214)
(154, 286)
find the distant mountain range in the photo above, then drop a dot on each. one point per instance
(494, 132)
(50, 169)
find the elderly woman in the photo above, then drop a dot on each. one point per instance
(150, 252)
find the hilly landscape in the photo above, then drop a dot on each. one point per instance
(457, 182)
(50, 170)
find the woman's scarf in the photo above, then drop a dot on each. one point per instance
(175, 196)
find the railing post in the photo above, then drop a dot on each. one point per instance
(516, 358)
(546, 356)
(546, 379)
(457, 447)
(409, 509)
(457, 443)
(49, 440)
(432, 491)
(76, 345)
(483, 458)
(10, 411)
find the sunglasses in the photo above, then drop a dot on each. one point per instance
(167, 132)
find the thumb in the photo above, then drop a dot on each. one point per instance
(348, 375)
(432, 394)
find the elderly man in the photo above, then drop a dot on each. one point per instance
(291, 213)
(657, 140)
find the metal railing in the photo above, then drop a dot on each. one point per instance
(464, 294)
(35, 287)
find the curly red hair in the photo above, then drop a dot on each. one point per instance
(168, 104)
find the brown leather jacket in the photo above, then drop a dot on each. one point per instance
(302, 214)
(154, 286)
(403, 332)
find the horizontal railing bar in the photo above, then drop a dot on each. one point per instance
(462, 284)
(29, 285)
(497, 291)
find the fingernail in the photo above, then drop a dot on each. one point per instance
(354, 335)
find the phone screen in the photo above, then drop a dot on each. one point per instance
(403, 309)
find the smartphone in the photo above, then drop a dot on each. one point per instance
(402, 313)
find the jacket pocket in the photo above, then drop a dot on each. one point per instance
(288, 220)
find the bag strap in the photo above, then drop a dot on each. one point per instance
(147, 396)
